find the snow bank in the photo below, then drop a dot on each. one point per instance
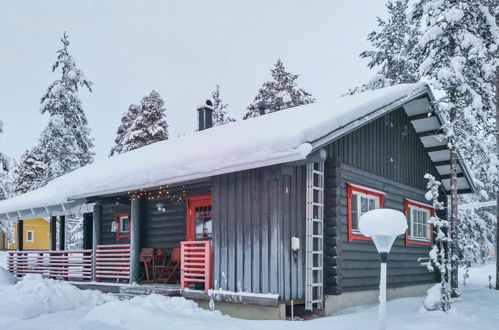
(6, 278)
(432, 299)
(34, 295)
(386, 222)
(155, 312)
(279, 137)
(3, 259)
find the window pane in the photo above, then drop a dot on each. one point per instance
(364, 205)
(354, 213)
(124, 225)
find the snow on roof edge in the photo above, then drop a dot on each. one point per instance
(328, 121)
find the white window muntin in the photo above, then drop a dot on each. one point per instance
(360, 204)
(124, 224)
(30, 236)
(419, 229)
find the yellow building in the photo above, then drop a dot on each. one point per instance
(36, 235)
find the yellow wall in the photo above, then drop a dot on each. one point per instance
(41, 234)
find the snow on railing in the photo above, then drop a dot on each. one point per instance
(65, 265)
(112, 262)
(195, 264)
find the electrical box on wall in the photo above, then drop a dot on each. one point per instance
(295, 243)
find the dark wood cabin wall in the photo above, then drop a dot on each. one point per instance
(359, 262)
(167, 229)
(158, 229)
(388, 147)
(110, 207)
(256, 212)
(386, 155)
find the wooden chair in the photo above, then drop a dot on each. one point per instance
(146, 257)
(166, 272)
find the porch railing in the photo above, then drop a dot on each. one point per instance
(112, 262)
(66, 265)
(195, 263)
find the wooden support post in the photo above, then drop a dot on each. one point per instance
(135, 241)
(53, 233)
(62, 233)
(20, 235)
(87, 231)
(96, 235)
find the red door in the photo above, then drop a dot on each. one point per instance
(199, 223)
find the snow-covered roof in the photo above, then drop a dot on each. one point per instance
(279, 137)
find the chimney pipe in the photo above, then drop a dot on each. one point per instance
(205, 115)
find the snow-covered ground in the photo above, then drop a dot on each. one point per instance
(36, 303)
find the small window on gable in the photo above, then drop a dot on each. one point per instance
(122, 225)
(419, 230)
(360, 201)
(30, 236)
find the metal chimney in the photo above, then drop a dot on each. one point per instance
(205, 115)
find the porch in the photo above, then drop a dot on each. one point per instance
(109, 268)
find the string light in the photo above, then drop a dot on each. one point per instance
(176, 195)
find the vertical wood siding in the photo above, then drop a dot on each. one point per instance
(385, 155)
(256, 212)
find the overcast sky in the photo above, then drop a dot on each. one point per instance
(181, 49)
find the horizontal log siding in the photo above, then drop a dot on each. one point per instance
(359, 259)
(159, 229)
(254, 220)
(110, 207)
(167, 229)
(386, 155)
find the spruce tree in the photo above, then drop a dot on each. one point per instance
(149, 125)
(29, 173)
(5, 226)
(123, 129)
(220, 115)
(4, 169)
(456, 39)
(391, 53)
(279, 93)
(439, 256)
(65, 142)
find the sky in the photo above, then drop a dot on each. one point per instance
(181, 49)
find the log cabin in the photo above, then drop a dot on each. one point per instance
(265, 210)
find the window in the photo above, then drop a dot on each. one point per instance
(418, 214)
(30, 236)
(360, 200)
(123, 225)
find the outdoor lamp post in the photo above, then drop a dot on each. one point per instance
(383, 226)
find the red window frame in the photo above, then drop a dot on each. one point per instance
(408, 241)
(117, 217)
(192, 203)
(352, 187)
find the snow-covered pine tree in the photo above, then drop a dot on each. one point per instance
(392, 48)
(220, 114)
(29, 172)
(456, 39)
(74, 239)
(477, 230)
(280, 93)
(440, 253)
(4, 168)
(123, 129)
(5, 226)
(65, 143)
(149, 126)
